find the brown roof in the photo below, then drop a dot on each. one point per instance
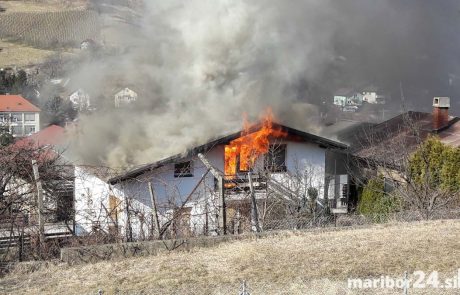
(395, 136)
(16, 103)
(321, 141)
(451, 136)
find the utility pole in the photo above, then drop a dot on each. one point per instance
(222, 218)
(154, 212)
(38, 182)
(254, 214)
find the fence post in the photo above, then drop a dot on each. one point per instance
(243, 290)
(255, 227)
(406, 282)
(155, 211)
(41, 223)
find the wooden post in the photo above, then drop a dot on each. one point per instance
(222, 215)
(129, 228)
(254, 214)
(206, 215)
(222, 208)
(41, 222)
(237, 222)
(154, 211)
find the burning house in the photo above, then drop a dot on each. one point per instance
(215, 187)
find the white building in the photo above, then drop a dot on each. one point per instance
(372, 95)
(18, 116)
(125, 97)
(80, 100)
(347, 97)
(295, 166)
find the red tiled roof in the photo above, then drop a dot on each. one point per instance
(16, 103)
(51, 135)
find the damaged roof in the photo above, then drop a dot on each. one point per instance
(321, 141)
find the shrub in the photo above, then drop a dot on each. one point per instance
(375, 203)
(436, 164)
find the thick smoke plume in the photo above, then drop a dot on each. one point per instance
(199, 65)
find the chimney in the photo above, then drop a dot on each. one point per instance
(440, 112)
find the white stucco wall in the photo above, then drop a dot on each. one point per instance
(20, 124)
(170, 190)
(305, 165)
(91, 194)
(303, 159)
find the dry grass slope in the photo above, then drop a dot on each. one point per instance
(13, 54)
(297, 263)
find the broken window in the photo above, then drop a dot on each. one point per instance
(183, 169)
(275, 160)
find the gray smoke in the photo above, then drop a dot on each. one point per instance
(199, 65)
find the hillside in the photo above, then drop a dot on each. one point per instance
(31, 32)
(295, 263)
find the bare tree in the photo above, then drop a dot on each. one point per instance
(18, 189)
(387, 152)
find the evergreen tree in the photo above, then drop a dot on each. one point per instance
(436, 164)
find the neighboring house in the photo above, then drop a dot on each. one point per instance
(52, 135)
(18, 116)
(80, 100)
(97, 203)
(391, 142)
(295, 163)
(372, 95)
(347, 97)
(88, 44)
(87, 203)
(375, 140)
(58, 203)
(125, 97)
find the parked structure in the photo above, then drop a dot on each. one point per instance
(49, 210)
(18, 116)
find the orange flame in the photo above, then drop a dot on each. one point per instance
(245, 150)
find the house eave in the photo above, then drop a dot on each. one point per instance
(320, 141)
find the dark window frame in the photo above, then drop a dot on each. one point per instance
(275, 166)
(183, 169)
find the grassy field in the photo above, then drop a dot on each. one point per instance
(19, 55)
(295, 263)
